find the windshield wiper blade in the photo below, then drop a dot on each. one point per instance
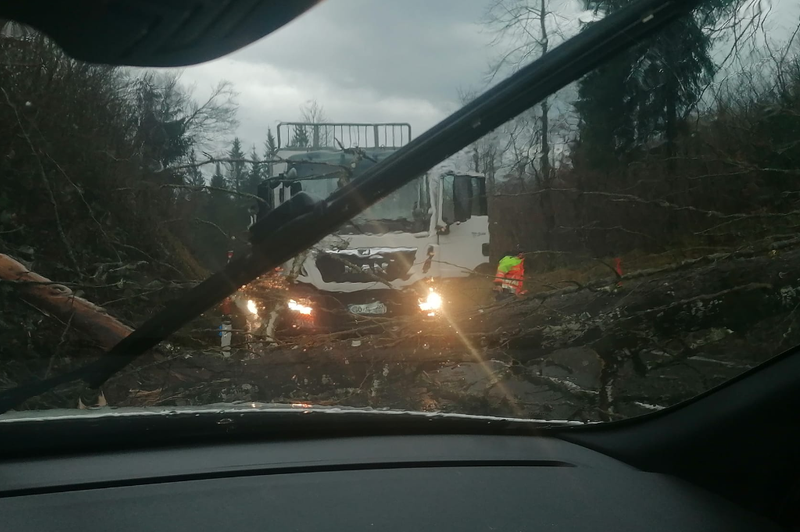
(302, 222)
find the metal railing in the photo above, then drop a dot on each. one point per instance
(327, 136)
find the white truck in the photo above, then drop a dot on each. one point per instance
(391, 258)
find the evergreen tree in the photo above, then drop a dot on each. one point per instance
(218, 180)
(221, 211)
(270, 151)
(237, 174)
(194, 176)
(254, 176)
(300, 137)
(644, 93)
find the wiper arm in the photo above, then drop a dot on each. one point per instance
(303, 221)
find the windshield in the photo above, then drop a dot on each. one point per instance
(625, 244)
(405, 210)
(321, 187)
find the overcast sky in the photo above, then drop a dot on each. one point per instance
(362, 60)
(377, 61)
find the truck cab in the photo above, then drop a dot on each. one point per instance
(393, 257)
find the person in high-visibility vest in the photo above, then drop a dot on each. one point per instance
(510, 275)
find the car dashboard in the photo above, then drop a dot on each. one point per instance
(415, 482)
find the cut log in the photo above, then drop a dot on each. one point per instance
(61, 302)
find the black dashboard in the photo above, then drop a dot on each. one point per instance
(432, 482)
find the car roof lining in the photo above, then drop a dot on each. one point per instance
(154, 33)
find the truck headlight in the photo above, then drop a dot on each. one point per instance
(432, 303)
(299, 307)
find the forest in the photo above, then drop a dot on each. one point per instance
(679, 158)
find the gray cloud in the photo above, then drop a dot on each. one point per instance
(414, 48)
(381, 61)
(363, 60)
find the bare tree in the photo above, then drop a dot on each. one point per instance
(485, 153)
(169, 121)
(207, 120)
(314, 113)
(524, 30)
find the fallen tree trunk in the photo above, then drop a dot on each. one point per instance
(61, 302)
(599, 353)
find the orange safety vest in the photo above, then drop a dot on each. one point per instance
(510, 274)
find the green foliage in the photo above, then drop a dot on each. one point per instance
(236, 168)
(270, 151)
(218, 180)
(161, 126)
(300, 137)
(254, 176)
(644, 94)
(88, 183)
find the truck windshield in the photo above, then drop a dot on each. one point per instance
(406, 210)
